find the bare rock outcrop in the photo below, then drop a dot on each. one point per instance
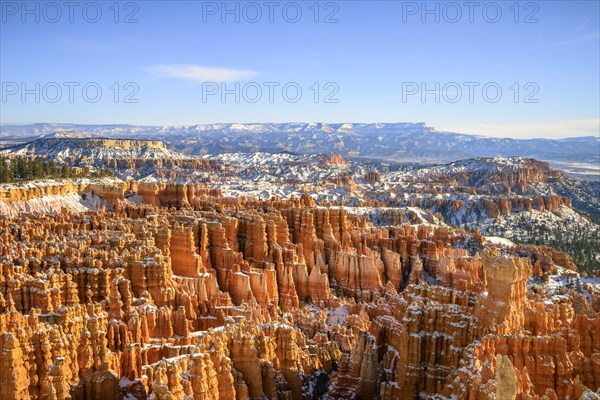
(198, 296)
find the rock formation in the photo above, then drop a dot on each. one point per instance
(191, 295)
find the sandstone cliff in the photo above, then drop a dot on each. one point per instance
(192, 295)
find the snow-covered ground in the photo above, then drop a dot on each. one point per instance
(337, 316)
(564, 280)
(50, 204)
(499, 240)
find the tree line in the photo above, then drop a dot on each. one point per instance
(21, 169)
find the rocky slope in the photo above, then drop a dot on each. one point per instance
(126, 158)
(186, 294)
(522, 199)
(392, 141)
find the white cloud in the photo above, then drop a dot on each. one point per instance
(553, 129)
(201, 73)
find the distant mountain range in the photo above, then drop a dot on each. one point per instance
(412, 142)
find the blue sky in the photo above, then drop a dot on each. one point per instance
(359, 62)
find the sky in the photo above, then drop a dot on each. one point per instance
(506, 68)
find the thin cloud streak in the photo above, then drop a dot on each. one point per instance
(200, 73)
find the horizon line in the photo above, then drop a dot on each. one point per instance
(480, 135)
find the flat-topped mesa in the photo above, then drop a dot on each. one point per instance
(504, 299)
(103, 187)
(123, 157)
(24, 192)
(100, 142)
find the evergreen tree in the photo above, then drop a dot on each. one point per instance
(4, 171)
